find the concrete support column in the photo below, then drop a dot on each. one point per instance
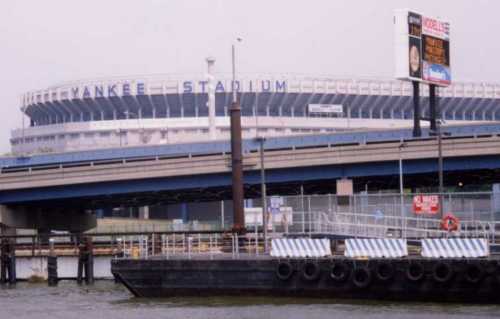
(144, 212)
(184, 213)
(344, 191)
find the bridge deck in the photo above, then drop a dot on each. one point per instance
(218, 147)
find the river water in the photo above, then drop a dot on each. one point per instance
(105, 299)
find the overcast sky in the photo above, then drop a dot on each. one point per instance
(47, 42)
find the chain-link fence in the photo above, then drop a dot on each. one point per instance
(385, 215)
(370, 215)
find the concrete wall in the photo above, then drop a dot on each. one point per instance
(66, 267)
(133, 132)
(70, 219)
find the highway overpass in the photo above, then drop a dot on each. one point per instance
(69, 183)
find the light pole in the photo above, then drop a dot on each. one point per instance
(440, 167)
(211, 98)
(261, 141)
(23, 110)
(438, 133)
(401, 188)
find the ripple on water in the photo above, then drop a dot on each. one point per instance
(106, 299)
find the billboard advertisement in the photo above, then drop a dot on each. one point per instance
(422, 48)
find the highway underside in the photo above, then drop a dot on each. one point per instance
(459, 181)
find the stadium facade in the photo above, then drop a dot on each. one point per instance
(162, 109)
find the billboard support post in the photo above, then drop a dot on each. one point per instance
(417, 131)
(433, 103)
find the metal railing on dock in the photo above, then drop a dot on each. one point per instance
(206, 245)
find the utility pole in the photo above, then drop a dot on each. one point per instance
(261, 141)
(401, 190)
(436, 130)
(439, 136)
(440, 167)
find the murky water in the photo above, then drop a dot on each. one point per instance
(106, 299)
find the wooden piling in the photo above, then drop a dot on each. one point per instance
(85, 261)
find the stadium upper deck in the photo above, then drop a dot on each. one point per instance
(173, 109)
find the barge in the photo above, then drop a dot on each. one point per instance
(464, 274)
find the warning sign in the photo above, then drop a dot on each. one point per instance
(426, 204)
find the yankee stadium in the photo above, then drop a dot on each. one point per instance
(164, 109)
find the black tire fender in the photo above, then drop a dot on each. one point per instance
(384, 271)
(311, 271)
(496, 272)
(339, 271)
(361, 277)
(284, 270)
(415, 271)
(474, 273)
(442, 272)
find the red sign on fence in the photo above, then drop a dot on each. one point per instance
(426, 204)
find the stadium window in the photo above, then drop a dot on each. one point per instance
(61, 136)
(74, 136)
(88, 135)
(205, 130)
(104, 134)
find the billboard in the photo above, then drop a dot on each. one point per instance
(422, 48)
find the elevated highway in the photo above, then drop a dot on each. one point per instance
(58, 189)
(306, 163)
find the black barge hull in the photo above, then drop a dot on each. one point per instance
(475, 281)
